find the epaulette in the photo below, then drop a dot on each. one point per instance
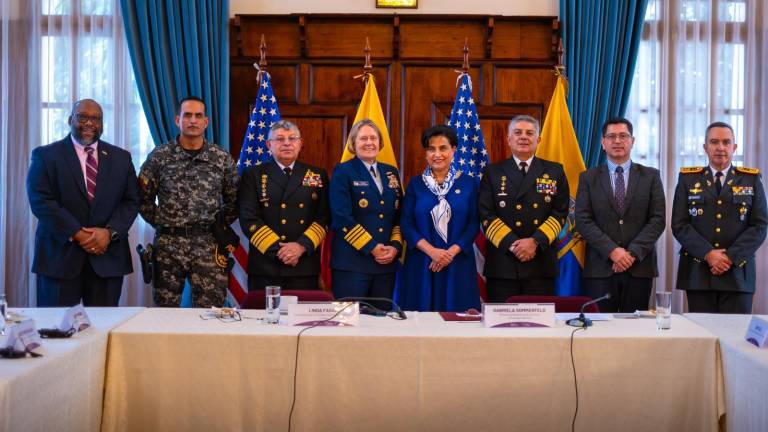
(745, 170)
(691, 170)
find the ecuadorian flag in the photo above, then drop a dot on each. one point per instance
(559, 144)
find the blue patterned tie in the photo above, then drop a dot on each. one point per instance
(619, 189)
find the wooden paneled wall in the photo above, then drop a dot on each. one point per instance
(313, 60)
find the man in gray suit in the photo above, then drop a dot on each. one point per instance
(620, 212)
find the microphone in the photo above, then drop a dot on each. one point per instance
(395, 307)
(582, 320)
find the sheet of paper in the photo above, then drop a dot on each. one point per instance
(565, 316)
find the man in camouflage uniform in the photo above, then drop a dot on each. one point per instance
(719, 217)
(192, 179)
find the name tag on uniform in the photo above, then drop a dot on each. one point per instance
(757, 334)
(323, 314)
(498, 315)
(360, 183)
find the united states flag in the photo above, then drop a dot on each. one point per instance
(471, 158)
(253, 152)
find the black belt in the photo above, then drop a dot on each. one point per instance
(185, 231)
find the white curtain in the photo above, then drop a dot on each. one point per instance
(53, 53)
(701, 61)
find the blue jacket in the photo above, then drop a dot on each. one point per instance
(361, 217)
(58, 198)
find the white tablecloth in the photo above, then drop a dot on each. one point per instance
(61, 391)
(170, 370)
(745, 371)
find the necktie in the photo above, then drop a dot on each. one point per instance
(719, 182)
(619, 189)
(373, 172)
(523, 170)
(91, 170)
(287, 171)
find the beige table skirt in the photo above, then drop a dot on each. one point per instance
(61, 391)
(170, 370)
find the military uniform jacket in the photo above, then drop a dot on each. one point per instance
(189, 190)
(734, 220)
(361, 217)
(513, 206)
(636, 228)
(276, 208)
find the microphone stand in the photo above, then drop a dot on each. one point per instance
(582, 321)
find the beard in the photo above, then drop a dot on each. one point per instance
(77, 132)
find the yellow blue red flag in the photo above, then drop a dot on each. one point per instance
(559, 144)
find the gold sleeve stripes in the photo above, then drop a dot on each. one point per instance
(496, 231)
(396, 236)
(551, 228)
(315, 233)
(358, 237)
(263, 238)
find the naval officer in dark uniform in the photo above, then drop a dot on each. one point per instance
(719, 217)
(523, 204)
(365, 208)
(284, 211)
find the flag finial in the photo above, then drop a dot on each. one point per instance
(465, 66)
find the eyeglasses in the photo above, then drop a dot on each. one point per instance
(370, 138)
(83, 119)
(620, 136)
(282, 140)
(222, 314)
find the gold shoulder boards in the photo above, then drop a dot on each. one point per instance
(745, 170)
(691, 170)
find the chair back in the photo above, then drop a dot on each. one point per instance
(562, 304)
(258, 299)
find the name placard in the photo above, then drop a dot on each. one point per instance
(497, 315)
(23, 336)
(75, 317)
(757, 334)
(323, 314)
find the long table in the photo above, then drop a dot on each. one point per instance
(745, 371)
(170, 370)
(61, 391)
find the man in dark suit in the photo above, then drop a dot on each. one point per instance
(284, 210)
(523, 203)
(620, 211)
(85, 195)
(719, 216)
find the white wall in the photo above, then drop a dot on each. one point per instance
(478, 7)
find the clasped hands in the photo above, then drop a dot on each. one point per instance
(718, 261)
(93, 240)
(384, 254)
(442, 258)
(290, 252)
(524, 249)
(622, 259)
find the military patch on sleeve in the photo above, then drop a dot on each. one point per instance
(691, 170)
(745, 170)
(143, 181)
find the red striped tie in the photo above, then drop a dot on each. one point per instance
(91, 169)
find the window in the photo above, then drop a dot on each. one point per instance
(84, 55)
(690, 71)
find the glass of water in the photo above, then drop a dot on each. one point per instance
(272, 304)
(663, 310)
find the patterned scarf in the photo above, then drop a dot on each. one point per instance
(441, 213)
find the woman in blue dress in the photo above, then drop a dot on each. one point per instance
(439, 222)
